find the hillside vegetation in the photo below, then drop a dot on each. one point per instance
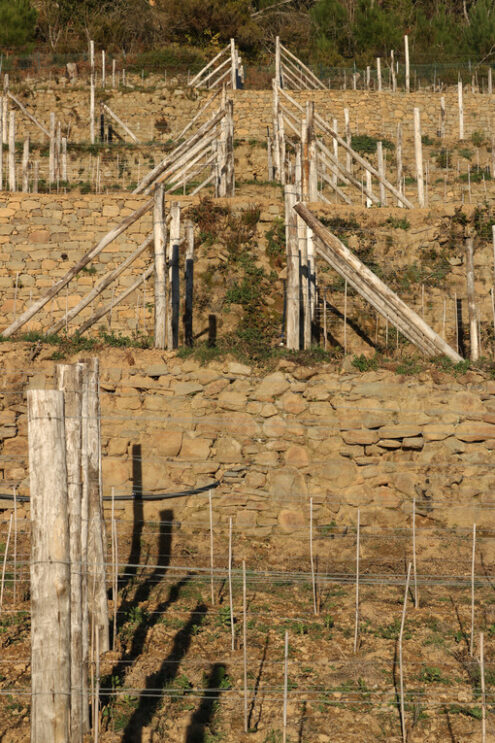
(185, 32)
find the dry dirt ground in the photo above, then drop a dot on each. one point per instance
(173, 676)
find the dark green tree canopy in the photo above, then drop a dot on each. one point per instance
(17, 23)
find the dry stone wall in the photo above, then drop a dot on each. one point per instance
(374, 440)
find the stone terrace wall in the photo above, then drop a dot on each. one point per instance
(374, 440)
(370, 112)
(376, 114)
(42, 236)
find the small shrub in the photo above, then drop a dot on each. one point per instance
(366, 145)
(398, 224)
(478, 139)
(363, 364)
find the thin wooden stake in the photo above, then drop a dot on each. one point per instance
(406, 54)
(313, 576)
(356, 625)
(5, 560)
(482, 681)
(401, 666)
(415, 575)
(286, 685)
(210, 509)
(473, 559)
(244, 643)
(473, 326)
(345, 318)
(461, 109)
(12, 178)
(232, 628)
(14, 569)
(418, 150)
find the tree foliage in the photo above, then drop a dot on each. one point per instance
(17, 23)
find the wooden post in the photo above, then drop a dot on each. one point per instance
(461, 110)
(406, 57)
(92, 92)
(473, 563)
(392, 71)
(442, 117)
(233, 65)
(490, 81)
(418, 152)
(278, 76)
(379, 74)
(50, 572)
(5, 119)
(381, 171)
(97, 594)
(348, 139)
(293, 283)
(64, 159)
(286, 686)
(269, 155)
(335, 152)
(399, 162)
(25, 166)
(103, 69)
(401, 668)
(12, 178)
(244, 643)
(114, 65)
(173, 289)
(276, 136)
(51, 156)
(482, 682)
(212, 552)
(311, 556)
(229, 153)
(473, 325)
(415, 574)
(231, 601)
(69, 381)
(281, 142)
(189, 283)
(160, 268)
(369, 187)
(356, 621)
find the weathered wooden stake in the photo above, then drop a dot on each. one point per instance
(244, 644)
(51, 155)
(473, 326)
(482, 682)
(293, 279)
(461, 109)
(399, 162)
(381, 171)
(231, 602)
(406, 55)
(173, 288)
(442, 117)
(212, 553)
(356, 621)
(160, 268)
(4, 565)
(12, 178)
(25, 166)
(189, 283)
(401, 666)
(418, 152)
(379, 74)
(97, 593)
(69, 381)
(311, 557)
(473, 561)
(92, 92)
(415, 575)
(286, 685)
(50, 570)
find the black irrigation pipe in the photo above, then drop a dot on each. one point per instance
(132, 497)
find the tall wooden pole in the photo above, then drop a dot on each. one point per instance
(92, 92)
(292, 287)
(278, 76)
(160, 268)
(97, 593)
(461, 109)
(25, 166)
(473, 324)
(418, 152)
(189, 283)
(12, 178)
(173, 290)
(381, 171)
(69, 381)
(51, 155)
(399, 162)
(406, 56)
(233, 63)
(50, 572)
